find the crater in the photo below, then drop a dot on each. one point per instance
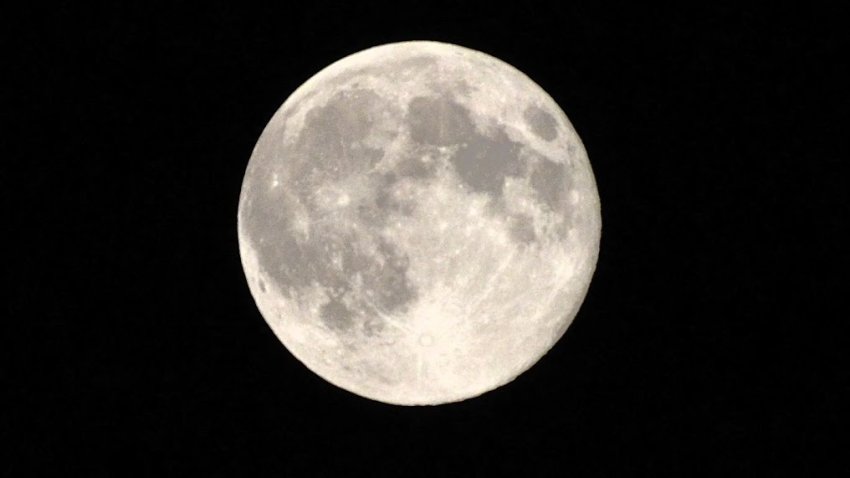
(541, 123)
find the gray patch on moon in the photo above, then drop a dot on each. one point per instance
(386, 287)
(324, 259)
(388, 280)
(484, 162)
(549, 181)
(329, 258)
(370, 214)
(351, 78)
(336, 315)
(267, 219)
(521, 229)
(541, 123)
(387, 201)
(373, 327)
(329, 147)
(415, 166)
(438, 121)
(374, 209)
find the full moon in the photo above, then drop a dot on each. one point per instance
(419, 223)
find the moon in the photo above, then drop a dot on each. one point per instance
(419, 223)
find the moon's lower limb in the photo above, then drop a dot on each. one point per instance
(410, 244)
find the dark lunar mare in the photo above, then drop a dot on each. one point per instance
(482, 162)
(550, 182)
(328, 149)
(541, 123)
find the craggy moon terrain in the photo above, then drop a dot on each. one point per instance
(419, 223)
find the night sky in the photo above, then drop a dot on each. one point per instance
(707, 341)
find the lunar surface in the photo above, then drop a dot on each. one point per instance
(419, 223)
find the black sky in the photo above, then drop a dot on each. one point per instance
(716, 135)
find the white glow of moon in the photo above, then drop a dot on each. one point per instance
(419, 223)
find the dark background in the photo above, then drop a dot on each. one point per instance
(131, 343)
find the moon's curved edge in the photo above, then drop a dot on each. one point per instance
(595, 232)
